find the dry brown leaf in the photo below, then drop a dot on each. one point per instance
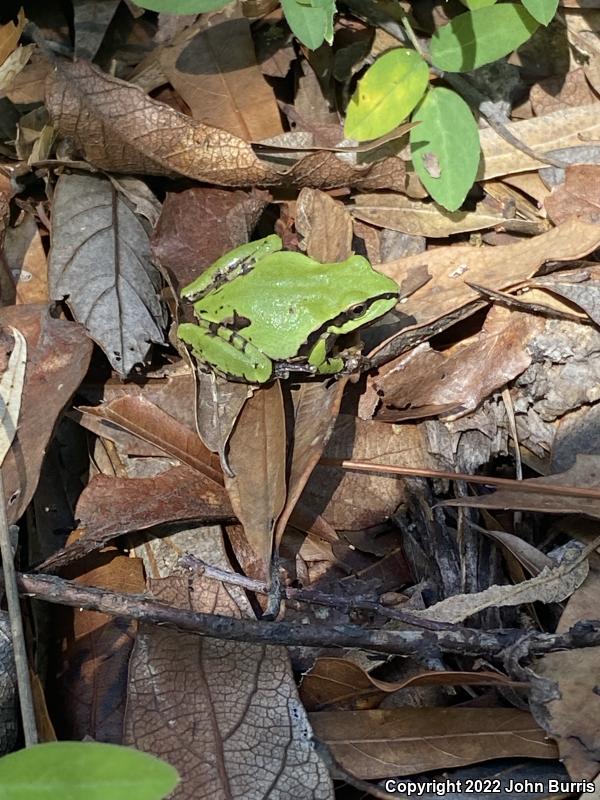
(10, 35)
(226, 714)
(339, 494)
(109, 507)
(552, 585)
(212, 65)
(199, 225)
(257, 450)
(569, 706)
(383, 743)
(578, 196)
(425, 382)
(325, 225)
(153, 425)
(26, 263)
(338, 681)
(28, 85)
(558, 91)
(13, 65)
(58, 357)
(571, 713)
(316, 406)
(11, 391)
(90, 687)
(120, 129)
(578, 287)
(399, 213)
(493, 267)
(552, 132)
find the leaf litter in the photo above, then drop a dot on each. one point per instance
(124, 173)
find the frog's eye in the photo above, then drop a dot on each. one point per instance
(357, 311)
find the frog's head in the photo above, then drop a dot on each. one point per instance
(364, 295)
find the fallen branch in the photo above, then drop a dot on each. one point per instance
(419, 644)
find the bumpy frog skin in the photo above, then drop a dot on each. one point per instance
(263, 313)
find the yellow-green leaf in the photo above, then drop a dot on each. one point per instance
(474, 4)
(480, 37)
(386, 95)
(90, 770)
(445, 146)
(183, 6)
(542, 10)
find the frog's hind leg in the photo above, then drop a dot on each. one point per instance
(227, 352)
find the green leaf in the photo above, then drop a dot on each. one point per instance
(183, 6)
(475, 4)
(311, 22)
(445, 146)
(479, 37)
(386, 95)
(80, 770)
(542, 10)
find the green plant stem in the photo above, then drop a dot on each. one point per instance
(405, 22)
(16, 627)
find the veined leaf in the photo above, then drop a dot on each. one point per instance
(541, 10)
(311, 22)
(183, 6)
(445, 146)
(72, 770)
(387, 93)
(480, 37)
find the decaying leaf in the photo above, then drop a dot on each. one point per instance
(100, 262)
(13, 65)
(58, 357)
(10, 33)
(120, 129)
(26, 263)
(226, 714)
(212, 65)
(199, 225)
(153, 425)
(257, 449)
(11, 391)
(552, 132)
(341, 682)
(551, 586)
(442, 274)
(402, 741)
(425, 382)
(399, 213)
(89, 690)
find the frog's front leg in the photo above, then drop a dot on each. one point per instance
(226, 352)
(343, 363)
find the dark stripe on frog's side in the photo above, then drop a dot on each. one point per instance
(223, 276)
(307, 346)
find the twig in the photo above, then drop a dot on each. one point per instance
(528, 487)
(16, 627)
(339, 602)
(419, 644)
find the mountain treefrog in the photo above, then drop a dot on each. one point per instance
(263, 313)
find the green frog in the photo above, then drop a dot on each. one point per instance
(263, 313)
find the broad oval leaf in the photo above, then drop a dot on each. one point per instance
(542, 10)
(311, 21)
(183, 6)
(475, 4)
(386, 95)
(480, 37)
(100, 261)
(445, 146)
(90, 770)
